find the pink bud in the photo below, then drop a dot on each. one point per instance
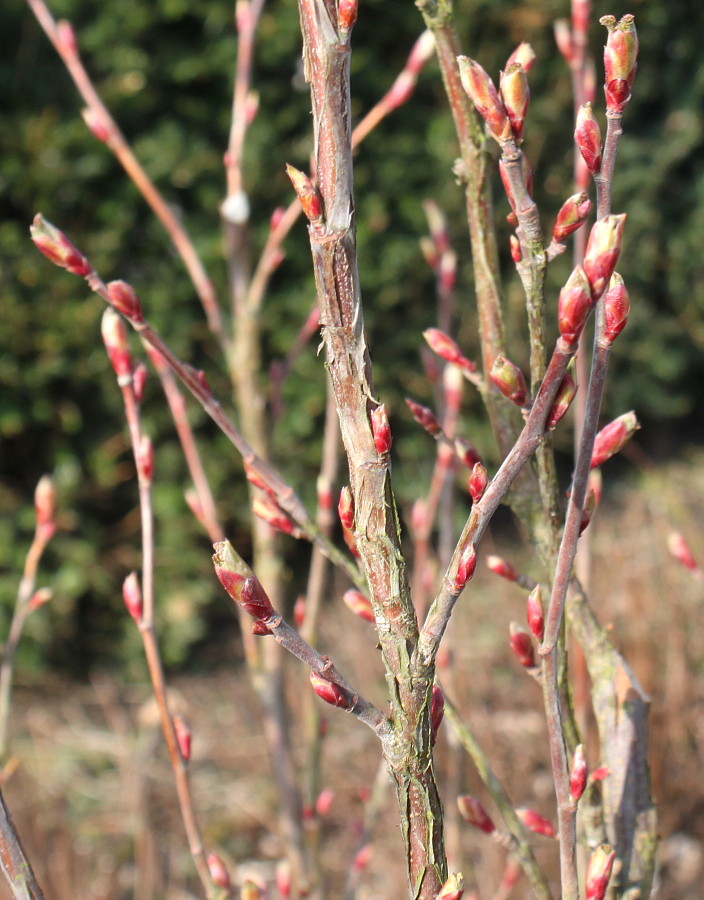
(56, 246)
(260, 628)
(381, 431)
(578, 774)
(362, 858)
(251, 107)
(183, 738)
(482, 92)
(145, 459)
(255, 600)
(600, 773)
(603, 250)
(194, 504)
(345, 508)
(66, 37)
(346, 15)
(331, 693)
(270, 512)
(680, 549)
(612, 438)
(40, 597)
(522, 646)
(218, 872)
(253, 476)
(139, 381)
(534, 613)
(445, 347)
(239, 582)
(562, 402)
(466, 452)
(474, 813)
(500, 567)
(523, 54)
(123, 299)
(276, 218)
(299, 611)
(478, 482)
(283, 880)
(453, 889)
(515, 245)
(44, 502)
(437, 711)
(421, 51)
(132, 595)
(96, 124)
(465, 568)
(515, 93)
(425, 417)
(114, 333)
(620, 61)
(574, 305)
(533, 821)
(617, 306)
(563, 39)
(308, 195)
(509, 379)
(324, 801)
(587, 511)
(587, 136)
(573, 213)
(447, 273)
(359, 604)
(599, 872)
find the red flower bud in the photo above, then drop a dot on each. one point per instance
(437, 711)
(381, 431)
(345, 508)
(620, 61)
(323, 803)
(96, 124)
(617, 306)
(145, 459)
(183, 738)
(573, 213)
(114, 333)
(474, 813)
(587, 136)
(425, 417)
(680, 549)
(578, 774)
(534, 613)
(603, 250)
(509, 379)
(453, 889)
(270, 512)
(515, 245)
(478, 482)
(500, 567)
(535, 822)
(132, 595)
(40, 597)
(574, 305)
(445, 347)
(56, 246)
(522, 646)
(599, 872)
(563, 39)
(562, 402)
(45, 502)
(239, 581)
(331, 693)
(362, 858)
(466, 452)
(515, 93)
(523, 54)
(359, 604)
(421, 51)
(123, 299)
(612, 438)
(66, 37)
(346, 15)
(482, 92)
(218, 872)
(465, 568)
(308, 195)
(139, 381)
(600, 774)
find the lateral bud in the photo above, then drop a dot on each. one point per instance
(453, 889)
(522, 646)
(501, 568)
(573, 214)
(578, 774)
(534, 613)
(474, 813)
(132, 596)
(478, 481)
(308, 195)
(445, 347)
(425, 417)
(613, 437)
(96, 124)
(346, 15)
(360, 604)
(515, 247)
(331, 693)
(465, 568)
(345, 508)
(54, 244)
(681, 551)
(510, 381)
(124, 300)
(482, 92)
(523, 54)
(599, 872)
(45, 504)
(574, 305)
(240, 582)
(587, 136)
(437, 711)
(562, 402)
(602, 253)
(381, 430)
(617, 306)
(184, 737)
(515, 93)
(219, 874)
(536, 823)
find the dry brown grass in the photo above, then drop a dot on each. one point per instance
(93, 799)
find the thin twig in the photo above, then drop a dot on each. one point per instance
(14, 863)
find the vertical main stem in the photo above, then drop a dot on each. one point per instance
(407, 748)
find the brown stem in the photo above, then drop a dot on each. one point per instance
(14, 863)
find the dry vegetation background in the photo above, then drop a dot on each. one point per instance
(93, 795)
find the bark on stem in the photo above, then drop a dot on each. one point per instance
(407, 749)
(15, 866)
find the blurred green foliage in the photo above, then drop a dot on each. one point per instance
(165, 70)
